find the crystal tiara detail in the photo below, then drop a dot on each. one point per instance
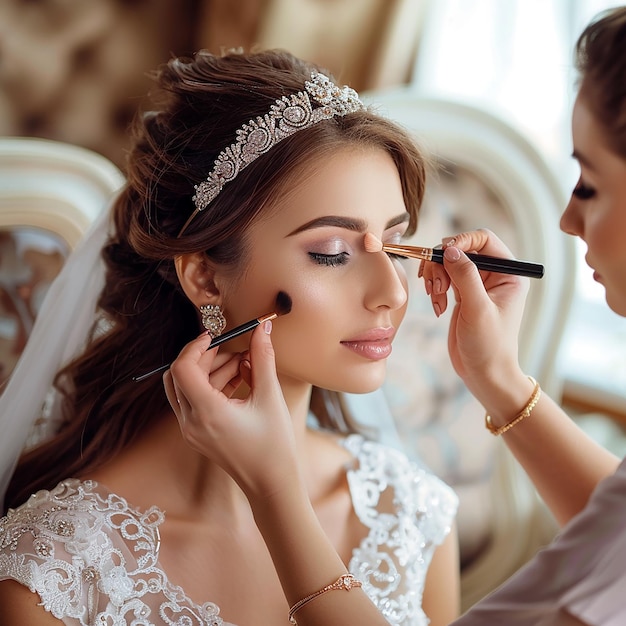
(286, 116)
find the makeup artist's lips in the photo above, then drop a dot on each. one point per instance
(596, 276)
(374, 344)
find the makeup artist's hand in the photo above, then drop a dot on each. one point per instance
(252, 439)
(483, 336)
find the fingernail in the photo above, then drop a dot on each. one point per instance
(438, 285)
(245, 363)
(267, 326)
(452, 254)
(429, 287)
(448, 241)
(437, 309)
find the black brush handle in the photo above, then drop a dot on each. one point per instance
(235, 332)
(497, 264)
(216, 341)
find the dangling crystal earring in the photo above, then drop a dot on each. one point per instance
(213, 319)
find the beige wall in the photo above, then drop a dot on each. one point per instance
(75, 70)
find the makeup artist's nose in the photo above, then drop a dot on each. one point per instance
(386, 283)
(571, 220)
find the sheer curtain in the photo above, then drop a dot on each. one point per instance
(514, 58)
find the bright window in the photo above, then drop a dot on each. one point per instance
(514, 58)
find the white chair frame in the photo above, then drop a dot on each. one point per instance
(53, 186)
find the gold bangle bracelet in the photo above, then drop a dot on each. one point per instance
(345, 581)
(526, 411)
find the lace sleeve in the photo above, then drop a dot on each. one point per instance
(93, 560)
(409, 512)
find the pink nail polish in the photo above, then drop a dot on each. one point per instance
(267, 327)
(452, 254)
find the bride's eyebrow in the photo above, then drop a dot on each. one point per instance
(339, 221)
(349, 223)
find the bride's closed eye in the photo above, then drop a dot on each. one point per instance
(331, 260)
(331, 252)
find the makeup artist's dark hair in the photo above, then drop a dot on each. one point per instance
(202, 102)
(601, 63)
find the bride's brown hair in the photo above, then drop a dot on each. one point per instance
(202, 103)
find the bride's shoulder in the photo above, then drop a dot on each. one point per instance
(74, 510)
(354, 450)
(47, 528)
(370, 454)
(68, 494)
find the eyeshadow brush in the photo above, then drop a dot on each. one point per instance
(283, 306)
(482, 261)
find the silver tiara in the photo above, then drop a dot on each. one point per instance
(286, 116)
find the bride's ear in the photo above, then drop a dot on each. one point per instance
(197, 278)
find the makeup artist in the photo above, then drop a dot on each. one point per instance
(581, 577)
(208, 497)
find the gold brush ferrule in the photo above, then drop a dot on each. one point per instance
(268, 317)
(414, 252)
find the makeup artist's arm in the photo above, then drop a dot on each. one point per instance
(562, 461)
(236, 434)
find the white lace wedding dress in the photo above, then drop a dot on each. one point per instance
(94, 559)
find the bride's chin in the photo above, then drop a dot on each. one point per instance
(364, 384)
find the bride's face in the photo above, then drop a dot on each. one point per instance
(347, 303)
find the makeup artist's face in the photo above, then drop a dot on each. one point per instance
(597, 210)
(347, 303)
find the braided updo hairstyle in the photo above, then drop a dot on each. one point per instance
(200, 104)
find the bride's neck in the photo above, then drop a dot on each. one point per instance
(161, 469)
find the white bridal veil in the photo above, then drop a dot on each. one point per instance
(59, 333)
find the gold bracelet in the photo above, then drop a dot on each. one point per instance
(526, 411)
(345, 581)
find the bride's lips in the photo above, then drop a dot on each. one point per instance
(374, 344)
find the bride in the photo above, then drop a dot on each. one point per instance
(238, 492)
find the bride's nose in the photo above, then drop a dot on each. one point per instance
(386, 282)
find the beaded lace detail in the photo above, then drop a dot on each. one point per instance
(93, 559)
(409, 512)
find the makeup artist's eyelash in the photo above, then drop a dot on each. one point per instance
(582, 192)
(331, 260)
